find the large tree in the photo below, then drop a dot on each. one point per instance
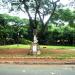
(39, 12)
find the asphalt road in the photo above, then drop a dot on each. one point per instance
(6, 69)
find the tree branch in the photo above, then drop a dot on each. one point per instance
(40, 18)
(37, 10)
(54, 8)
(26, 8)
(54, 5)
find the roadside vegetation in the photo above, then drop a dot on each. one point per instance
(56, 36)
(22, 51)
(14, 30)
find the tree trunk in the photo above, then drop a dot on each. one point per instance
(42, 35)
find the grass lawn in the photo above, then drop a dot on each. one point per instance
(58, 47)
(14, 46)
(41, 46)
(54, 52)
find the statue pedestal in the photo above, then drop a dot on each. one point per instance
(35, 49)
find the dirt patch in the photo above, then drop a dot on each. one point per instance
(15, 51)
(21, 51)
(33, 59)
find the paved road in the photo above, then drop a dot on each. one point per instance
(6, 69)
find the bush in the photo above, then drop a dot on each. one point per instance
(24, 41)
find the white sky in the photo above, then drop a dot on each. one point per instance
(64, 1)
(23, 15)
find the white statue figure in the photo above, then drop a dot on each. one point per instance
(35, 36)
(35, 39)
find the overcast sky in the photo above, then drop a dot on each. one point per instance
(23, 15)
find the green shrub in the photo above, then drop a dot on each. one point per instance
(24, 41)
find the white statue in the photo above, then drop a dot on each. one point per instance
(35, 39)
(35, 36)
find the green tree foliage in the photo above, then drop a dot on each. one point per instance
(37, 11)
(61, 36)
(13, 33)
(64, 15)
(12, 29)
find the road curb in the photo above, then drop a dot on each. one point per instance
(35, 61)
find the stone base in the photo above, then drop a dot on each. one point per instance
(38, 52)
(35, 49)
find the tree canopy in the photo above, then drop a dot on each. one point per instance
(42, 15)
